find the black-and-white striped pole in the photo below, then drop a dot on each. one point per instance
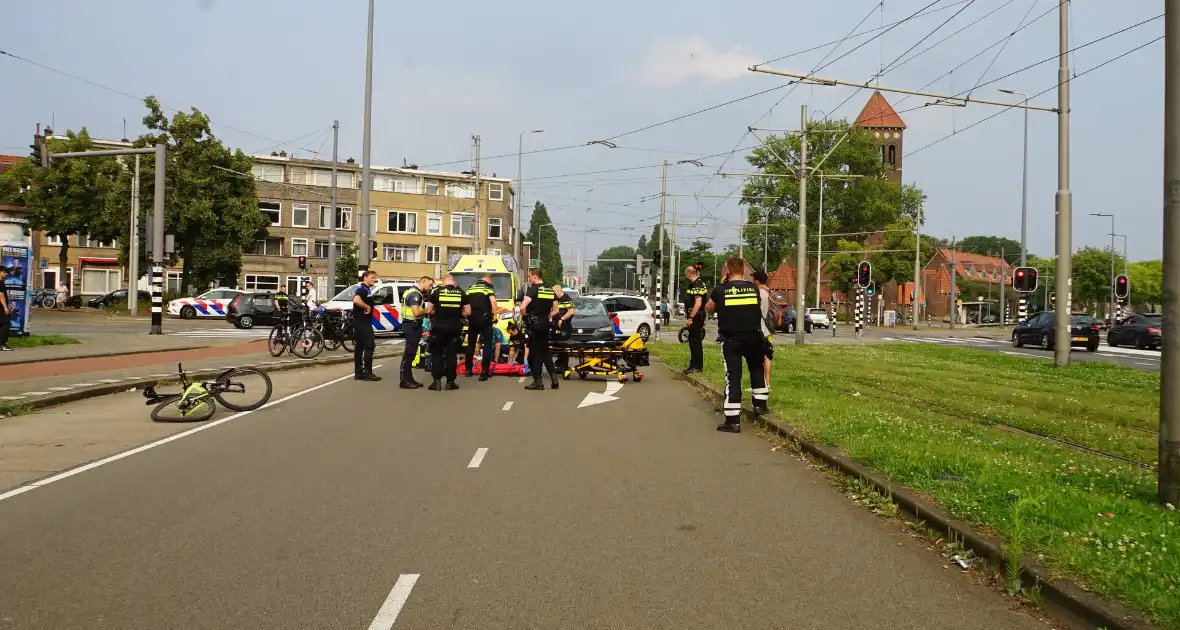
(1023, 314)
(860, 310)
(832, 317)
(157, 299)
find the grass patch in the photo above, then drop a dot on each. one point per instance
(36, 341)
(926, 416)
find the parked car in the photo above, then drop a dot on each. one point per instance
(630, 315)
(1141, 329)
(208, 304)
(590, 322)
(387, 294)
(785, 317)
(248, 310)
(1040, 329)
(117, 296)
(819, 317)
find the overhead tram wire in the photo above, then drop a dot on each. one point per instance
(1001, 50)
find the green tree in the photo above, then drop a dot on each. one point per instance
(992, 245)
(1146, 284)
(546, 246)
(211, 207)
(70, 197)
(611, 274)
(863, 205)
(347, 265)
(1091, 277)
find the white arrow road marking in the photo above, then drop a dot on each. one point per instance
(394, 602)
(594, 398)
(477, 459)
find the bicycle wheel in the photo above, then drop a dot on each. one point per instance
(332, 341)
(276, 344)
(242, 389)
(48, 302)
(171, 410)
(307, 343)
(347, 343)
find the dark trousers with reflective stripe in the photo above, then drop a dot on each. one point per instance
(444, 352)
(482, 333)
(735, 348)
(696, 338)
(539, 354)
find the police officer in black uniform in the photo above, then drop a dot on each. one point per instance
(561, 325)
(362, 327)
(447, 306)
(695, 295)
(538, 310)
(737, 304)
(413, 310)
(482, 297)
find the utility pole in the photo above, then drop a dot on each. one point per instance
(801, 246)
(1003, 279)
(332, 222)
(954, 289)
(1064, 200)
(365, 250)
(158, 242)
(660, 231)
(133, 250)
(672, 256)
(479, 229)
(1169, 451)
(917, 273)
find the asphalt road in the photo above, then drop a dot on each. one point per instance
(357, 505)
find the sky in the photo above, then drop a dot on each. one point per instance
(273, 74)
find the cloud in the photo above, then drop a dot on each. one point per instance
(670, 61)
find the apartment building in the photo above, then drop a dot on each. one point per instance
(419, 219)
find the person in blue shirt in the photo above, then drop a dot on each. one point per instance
(362, 326)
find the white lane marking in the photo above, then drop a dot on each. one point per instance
(1021, 354)
(1147, 363)
(477, 459)
(507, 406)
(394, 602)
(59, 389)
(163, 441)
(1149, 354)
(82, 384)
(34, 393)
(594, 398)
(520, 380)
(110, 380)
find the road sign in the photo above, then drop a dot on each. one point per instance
(534, 262)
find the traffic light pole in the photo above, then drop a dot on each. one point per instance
(1169, 441)
(133, 248)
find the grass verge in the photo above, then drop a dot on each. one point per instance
(931, 418)
(36, 341)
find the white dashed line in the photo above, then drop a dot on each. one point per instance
(507, 406)
(110, 380)
(477, 459)
(394, 602)
(34, 393)
(82, 384)
(12, 397)
(59, 389)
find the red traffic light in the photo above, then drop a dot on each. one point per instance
(302, 263)
(864, 274)
(1019, 273)
(698, 265)
(1122, 287)
(1024, 279)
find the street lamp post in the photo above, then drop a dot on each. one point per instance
(1023, 186)
(1109, 313)
(520, 190)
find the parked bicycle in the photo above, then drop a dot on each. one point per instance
(336, 327)
(238, 389)
(298, 333)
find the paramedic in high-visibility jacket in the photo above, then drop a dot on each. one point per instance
(737, 304)
(413, 312)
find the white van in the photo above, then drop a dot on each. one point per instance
(386, 315)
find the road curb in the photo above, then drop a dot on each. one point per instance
(102, 355)
(1066, 600)
(60, 398)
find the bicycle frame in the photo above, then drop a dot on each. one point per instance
(191, 393)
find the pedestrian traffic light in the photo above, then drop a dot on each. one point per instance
(1024, 279)
(871, 289)
(864, 274)
(302, 263)
(698, 265)
(657, 258)
(1122, 286)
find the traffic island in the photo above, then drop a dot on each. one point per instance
(1045, 474)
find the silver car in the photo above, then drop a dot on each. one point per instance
(819, 317)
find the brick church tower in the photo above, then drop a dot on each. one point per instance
(887, 129)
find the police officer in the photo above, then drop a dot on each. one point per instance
(561, 326)
(694, 310)
(482, 297)
(282, 302)
(538, 310)
(413, 310)
(739, 320)
(447, 306)
(362, 327)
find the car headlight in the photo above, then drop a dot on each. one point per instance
(605, 329)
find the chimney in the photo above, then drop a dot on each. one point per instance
(350, 161)
(282, 154)
(274, 154)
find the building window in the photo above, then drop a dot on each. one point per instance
(321, 177)
(255, 282)
(343, 217)
(493, 252)
(882, 154)
(344, 179)
(893, 154)
(271, 210)
(495, 228)
(434, 224)
(400, 253)
(431, 187)
(299, 213)
(300, 175)
(433, 254)
(462, 224)
(100, 280)
(402, 222)
(496, 192)
(460, 190)
(52, 239)
(388, 183)
(172, 282)
(268, 172)
(298, 247)
(322, 248)
(295, 285)
(269, 247)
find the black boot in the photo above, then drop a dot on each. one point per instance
(483, 377)
(451, 385)
(435, 386)
(554, 383)
(409, 385)
(730, 427)
(535, 385)
(761, 408)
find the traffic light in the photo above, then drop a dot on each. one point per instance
(302, 263)
(40, 152)
(1052, 298)
(1122, 287)
(657, 258)
(698, 265)
(864, 274)
(872, 288)
(1024, 280)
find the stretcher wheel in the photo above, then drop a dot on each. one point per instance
(582, 375)
(622, 378)
(638, 377)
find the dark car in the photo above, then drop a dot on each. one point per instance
(785, 317)
(1141, 329)
(116, 297)
(252, 309)
(590, 321)
(1039, 330)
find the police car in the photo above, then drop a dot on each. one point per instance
(212, 303)
(629, 314)
(386, 315)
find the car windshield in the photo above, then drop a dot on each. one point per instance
(501, 282)
(1081, 320)
(346, 295)
(1153, 320)
(587, 307)
(818, 311)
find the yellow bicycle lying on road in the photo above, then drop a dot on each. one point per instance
(239, 389)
